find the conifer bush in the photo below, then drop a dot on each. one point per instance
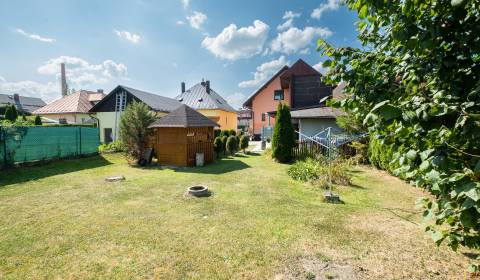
(283, 135)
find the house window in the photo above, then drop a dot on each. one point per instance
(263, 117)
(278, 94)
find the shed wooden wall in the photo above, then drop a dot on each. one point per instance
(178, 146)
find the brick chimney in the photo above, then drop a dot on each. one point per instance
(63, 80)
(183, 87)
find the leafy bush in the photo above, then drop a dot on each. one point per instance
(243, 142)
(317, 170)
(134, 130)
(225, 133)
(283, 135)
(232, 132)
(218, 146)
(231, 145)
(306, 170)
(237, 142)
(217, 133)
(224, 144)
(113, 147)
(416, 88)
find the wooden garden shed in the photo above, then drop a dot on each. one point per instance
(180, 135)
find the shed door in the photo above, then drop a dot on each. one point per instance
(171, 146)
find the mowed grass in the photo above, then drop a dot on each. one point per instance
(62, 220)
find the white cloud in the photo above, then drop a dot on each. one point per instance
(320, 68)
(295, 39)
(263, 72)
(132, 37)
(185, 4)
(234, 43)
(46, 92)
(180, 22)
(330, 5)
(288, 17)
(236, 100)
(81, 73)
(34, 36)
(197, 19)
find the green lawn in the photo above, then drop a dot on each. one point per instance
(62, 220)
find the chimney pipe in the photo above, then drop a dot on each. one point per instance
(183, 87)
(207, 85)
(16, 98)
(63, 81)
(100, 90)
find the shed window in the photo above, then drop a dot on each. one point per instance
(278, 94)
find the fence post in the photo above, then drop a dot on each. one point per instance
(80, 135)
(4, 134)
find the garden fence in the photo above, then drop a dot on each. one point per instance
(38, 143)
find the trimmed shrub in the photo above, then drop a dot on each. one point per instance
(231, 145)
(218, 146)
(217, 133)
(237, 141)
(243, 143)
(232, 132)
(11, 113)
(224, 144)
(38, 120)
(283, 135)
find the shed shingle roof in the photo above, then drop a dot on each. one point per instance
(28, 104)
(197, 97)
(78, 102)
(183, 116)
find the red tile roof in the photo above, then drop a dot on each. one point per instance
(78, 102)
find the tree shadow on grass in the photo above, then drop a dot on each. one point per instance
(46, 169)
(219, 166)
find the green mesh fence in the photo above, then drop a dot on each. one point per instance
(28, 144)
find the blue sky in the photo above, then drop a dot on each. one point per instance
(155, 45)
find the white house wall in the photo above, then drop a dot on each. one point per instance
(107, 120)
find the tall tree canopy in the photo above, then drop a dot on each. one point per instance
(415, 85)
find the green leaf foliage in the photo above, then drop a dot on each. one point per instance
(218, 145)
(415, 85)
(231, 145)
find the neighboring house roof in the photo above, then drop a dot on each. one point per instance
(248, 102)
(300, 68)
(317, 113)
(78, 102)
(27, 104)
(338, 92)
(184, 116)
(197, 97)
(154, 101)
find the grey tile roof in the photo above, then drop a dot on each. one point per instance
(197, 97)
(28, 104)
(154, 101)
(184, 116)
(316, 113)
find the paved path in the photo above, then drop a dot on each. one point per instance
(258, 146)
